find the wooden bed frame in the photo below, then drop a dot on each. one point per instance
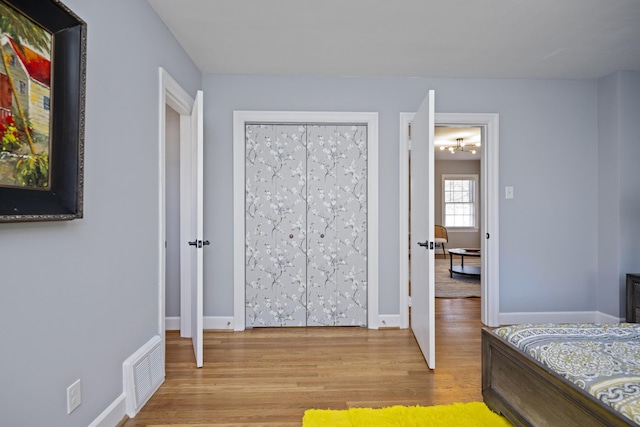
(529, 394)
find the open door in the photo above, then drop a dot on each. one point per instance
(197, 245)
(422, 235)
(191, 210)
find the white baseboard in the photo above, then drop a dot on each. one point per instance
(224, 322)
(607, 318)
(389, 320)
(172, 323)
(113, 415)
(393, 320)
(557, 317)
(209, 322)
(218, 322)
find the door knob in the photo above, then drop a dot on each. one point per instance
(199, 243)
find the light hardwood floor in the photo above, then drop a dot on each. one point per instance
(269, 377)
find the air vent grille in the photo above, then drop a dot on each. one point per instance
(143, 374)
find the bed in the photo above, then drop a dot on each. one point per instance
(545, 375)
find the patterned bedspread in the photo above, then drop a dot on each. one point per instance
(602, 359)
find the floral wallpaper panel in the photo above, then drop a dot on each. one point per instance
(275, 292)
(337, 225)
(306, 222)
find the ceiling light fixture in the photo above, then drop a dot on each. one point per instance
(460, 145)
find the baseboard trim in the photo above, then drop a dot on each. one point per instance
(113, 415)
(389, 320)
(208, 322)
(172, 324)
(607, 318)
(557, 317)
(226, 322)
(218, 322)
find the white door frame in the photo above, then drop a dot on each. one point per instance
(490, 305)
(173, 95)
(239, 189)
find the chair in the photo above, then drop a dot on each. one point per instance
(441, 237)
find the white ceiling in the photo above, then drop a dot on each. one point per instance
(540, 39)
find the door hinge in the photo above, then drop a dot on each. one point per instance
(409, 301)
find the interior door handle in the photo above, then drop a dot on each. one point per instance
(427, 245)
(199, 243)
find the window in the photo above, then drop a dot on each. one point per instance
(460, 206)
(23, 87)
(46, 103)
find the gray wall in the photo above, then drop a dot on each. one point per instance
(548, 247)
(79, 297)
(618, 187)
(462, 238)
(629, 176)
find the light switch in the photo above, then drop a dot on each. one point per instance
(508, 192)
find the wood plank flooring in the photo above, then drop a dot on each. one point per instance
(269, 377)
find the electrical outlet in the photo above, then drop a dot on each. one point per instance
(74, 397)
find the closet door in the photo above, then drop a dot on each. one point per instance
(275, 210)
(337, 225)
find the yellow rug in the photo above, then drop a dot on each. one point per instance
(474, 414)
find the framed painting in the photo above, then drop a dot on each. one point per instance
(42, 107)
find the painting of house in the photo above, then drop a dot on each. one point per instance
(78, 298)
(25, 100)
(32, 74)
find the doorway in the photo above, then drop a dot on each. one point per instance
(457, 210)
(172, 215)
(180, 123)
(489, 194)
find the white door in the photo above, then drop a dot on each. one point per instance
(198, 243)
(422, 221)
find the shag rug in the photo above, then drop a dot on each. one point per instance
(474, 414)
(458, 286)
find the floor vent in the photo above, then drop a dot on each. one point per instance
(143, 374)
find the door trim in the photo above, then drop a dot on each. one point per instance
(490, 306)
(173, 95)
(239, 120)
